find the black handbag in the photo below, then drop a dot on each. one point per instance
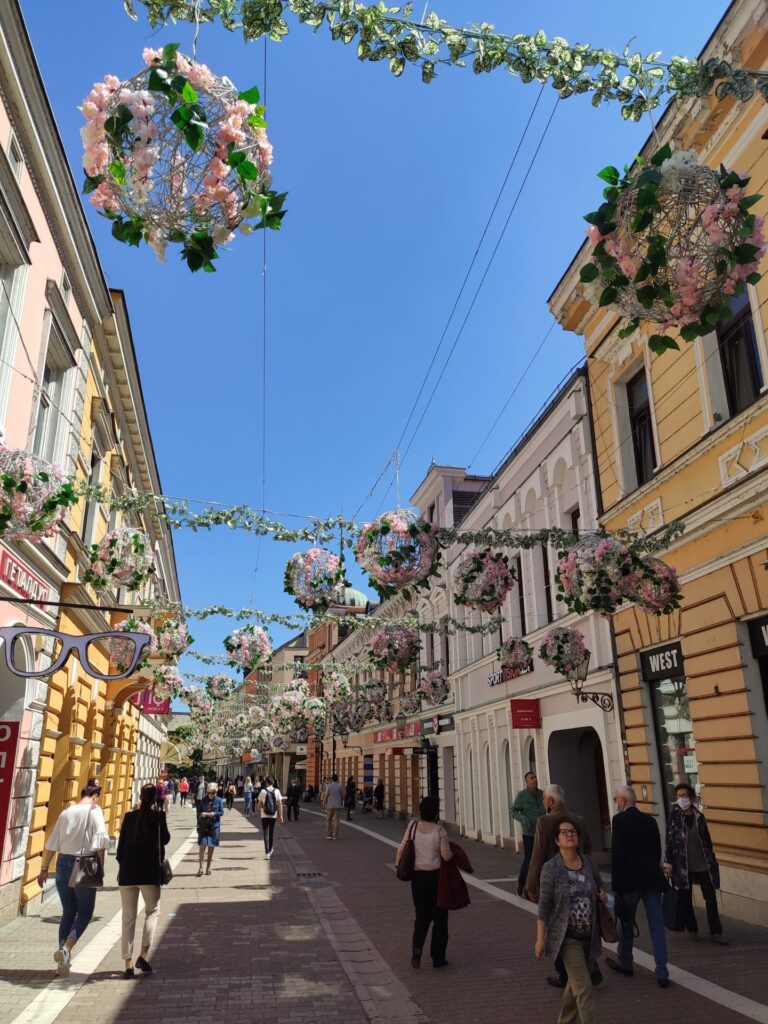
(673, 907)
(405, 865)
(166, 871)
(88, 870)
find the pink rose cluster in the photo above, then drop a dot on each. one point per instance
(395, 648)
(312, 577)
(410, 703)
(220, 686)
(484, 580)
(248, 648)
(25, 494)
(173, 638)
(516, 656)
(564, 649)
(597, 573)
(287, 709)
(167, 683)
(196, 699)
(435, 688)
(123, 558)
(658, 592)
(121, 651)
(392, 555)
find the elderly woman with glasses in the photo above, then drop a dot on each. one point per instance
(568, 922)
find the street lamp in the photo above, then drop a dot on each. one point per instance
(400, 722)
(577, 677)
(345, 738)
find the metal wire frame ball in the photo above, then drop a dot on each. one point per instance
(679, 221)
(314, 578)
(166, 202)
(397, 549)
(26, 518)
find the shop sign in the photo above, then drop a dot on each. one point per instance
(9, 739)
(387, 735)
(526, 714)
(150, 705)
(506, 675)
(662, 662)
(437, 724)
(301, 748)
(758, 634)
(19, 578)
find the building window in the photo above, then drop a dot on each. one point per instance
(640, 427)
(51, 423)
(674, 735)
(576, 521)
(739, 357)
(431, 513)
(520, 594)
(547, 581)
(15, 158)
(445, 653)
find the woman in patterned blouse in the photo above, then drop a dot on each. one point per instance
(568, 920)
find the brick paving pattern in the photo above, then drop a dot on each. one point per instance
(321, 933)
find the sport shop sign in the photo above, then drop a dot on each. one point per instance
(663, 663)
(16, 575)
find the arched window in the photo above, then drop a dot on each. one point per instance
(471, 794)
(488, 823)
(507, 796)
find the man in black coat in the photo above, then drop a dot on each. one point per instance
(636, 875)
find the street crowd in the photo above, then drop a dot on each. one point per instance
(575, 911)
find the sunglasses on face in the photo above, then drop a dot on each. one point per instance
(123, 651)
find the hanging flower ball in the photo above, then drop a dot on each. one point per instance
(287, 709)
(410, 703)
(196, 699)
(398, 550)
(121, 652)
(281, 743)
(673, 242)
(177, 155)
(123, 558)
(361, 713)
(34, 496)
(173, 638)
(313, 578)
(435, 688)
(394, 648)
(167, 683)
(483, 580)
(248, 648)
(658, 592)
(516, 656)
(563, 649)
(597, 573)
(221, 687)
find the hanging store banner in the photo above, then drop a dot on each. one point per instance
(9, 741)
(526, 714)
(758, 634)
(663, 662)
(150, 705)
(437, 724)
(16, 575)
(387, 735)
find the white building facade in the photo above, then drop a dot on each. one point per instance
(152, 732)
(502, 728)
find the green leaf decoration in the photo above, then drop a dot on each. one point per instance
(188, 93)
(252, 96)
(608, 296)
(588, 273)
(659, 343)
(609, 174)
(169, 52)
(659, 157)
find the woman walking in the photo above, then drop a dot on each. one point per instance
(378, 799)
(140, 852)
(690, 858)
(230, 795)
(248, 795)
(568, 922)
(79, 830)
(271, 808)
(209, 818)
(350, 797)
(431, 848)
(183, 790)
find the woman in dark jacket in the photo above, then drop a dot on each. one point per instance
(689, 857)
(568, 922)
(378, 799)
(209, 826)
(140, 852)
(350, 797)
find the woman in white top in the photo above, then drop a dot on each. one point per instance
(431, 848)
(270, 808)
(248, 795)
(79, 829)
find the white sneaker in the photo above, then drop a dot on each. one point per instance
(269, 855)
(62, 970)
(63, 959)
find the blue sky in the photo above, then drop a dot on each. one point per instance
(391, 183)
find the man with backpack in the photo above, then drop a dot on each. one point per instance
(271, 809)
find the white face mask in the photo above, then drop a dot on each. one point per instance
(683, 803)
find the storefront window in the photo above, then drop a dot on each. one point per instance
(674, 735)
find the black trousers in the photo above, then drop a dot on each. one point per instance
(183, 798)
(702, 879)
(268, 830)
(424, 893)
(230, 801)
(527, 851)
(293, 806)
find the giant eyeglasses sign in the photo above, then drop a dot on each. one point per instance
(20, 644)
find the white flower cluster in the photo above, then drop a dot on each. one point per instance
(681, 162)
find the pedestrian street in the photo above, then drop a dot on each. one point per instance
(321, 932)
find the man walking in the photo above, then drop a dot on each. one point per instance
(333, 801)
(294, 796)
(527, 809)
(200, 792)
(636, 875)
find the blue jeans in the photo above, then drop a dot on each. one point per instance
(76, 904)
(652, 903)
(248, 801)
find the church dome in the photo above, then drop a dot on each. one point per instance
(354, 598)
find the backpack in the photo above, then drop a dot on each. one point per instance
(270, 803)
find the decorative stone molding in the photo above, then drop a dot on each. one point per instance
(749, 455)
(648, 519)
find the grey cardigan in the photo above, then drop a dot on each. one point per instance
(555, 903)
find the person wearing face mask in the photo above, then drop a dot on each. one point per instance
(636, 875)
(689, 858)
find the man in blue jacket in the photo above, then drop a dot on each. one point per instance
(636, 875)
(527, 809)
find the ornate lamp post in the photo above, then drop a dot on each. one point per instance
(577, 677)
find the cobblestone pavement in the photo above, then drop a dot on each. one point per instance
(321, 932)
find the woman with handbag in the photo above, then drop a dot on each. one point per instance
(209, 817)
(423, 849)
(79, 838)
(141, 856)
(569, 920)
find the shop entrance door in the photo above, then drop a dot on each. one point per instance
(576, 764)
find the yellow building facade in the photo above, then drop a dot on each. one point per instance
(684, 436)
